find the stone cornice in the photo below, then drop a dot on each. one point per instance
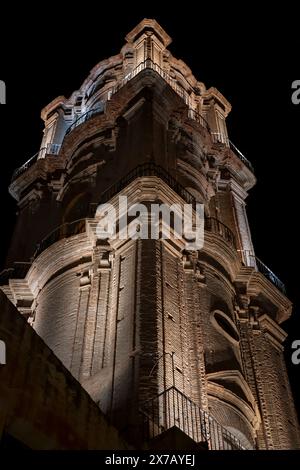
(238, 191)
(214, 93)
(276, 334)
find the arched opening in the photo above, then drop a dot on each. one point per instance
(225, 325)
(240, 436)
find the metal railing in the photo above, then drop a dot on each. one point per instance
(149, 169)
(172, 408)
(253, 261)
(147, 64)
(216, 226)
(86, 116)
(219, 138)
(51, 149)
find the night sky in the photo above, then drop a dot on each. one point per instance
(251, 56)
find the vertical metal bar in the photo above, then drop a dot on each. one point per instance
(168, 414)
(178, 408)
(187, 417)
(173, 390)
(153, 417)
(198, 423)
(182, 412)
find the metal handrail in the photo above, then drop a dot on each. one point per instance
(173, 408)
(149, 64)
(19, 171)
(216, 226)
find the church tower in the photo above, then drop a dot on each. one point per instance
(159, 335)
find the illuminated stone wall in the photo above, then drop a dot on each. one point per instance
(42, 405)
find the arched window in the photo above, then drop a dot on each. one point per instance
(225, 325)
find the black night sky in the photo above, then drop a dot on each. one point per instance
(251, 56)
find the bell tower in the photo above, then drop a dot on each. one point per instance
(159, 336)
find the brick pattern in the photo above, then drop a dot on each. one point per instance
(56, 315)
(280, 421)
(102, 306)
(249, 363)
(149, 315)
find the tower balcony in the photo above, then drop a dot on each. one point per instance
(149, 64)
(50, 149)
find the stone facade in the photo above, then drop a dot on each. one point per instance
(136, 320)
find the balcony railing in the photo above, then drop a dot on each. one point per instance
(148, 169)
(86, 116)
(216, 226)
(219, 138)
(242, 157)
(252, 261)
(172, 408)
(51, 149)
